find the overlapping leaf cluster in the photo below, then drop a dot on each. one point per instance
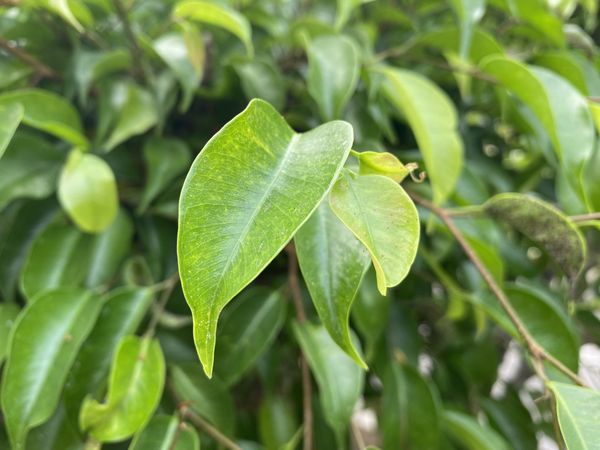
(282, 224)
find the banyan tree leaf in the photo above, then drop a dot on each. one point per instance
(10, 118)
(249, 190)
(578, 412)
(545, 225)
(383, 217)
(469, 13)
(135, 387)
(333, 67)
(166, 432)
(470, 434)
(333, 262)
(218, 15)
(433, 119)
(44, 343)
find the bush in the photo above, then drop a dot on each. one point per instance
(388, 200)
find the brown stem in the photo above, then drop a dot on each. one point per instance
(585, 217)
(538, 353)
(41, 69)
(296, 293)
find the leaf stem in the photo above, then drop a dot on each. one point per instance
(41, 69)
(538, 353)
(167, 287)
(294, 286)
(585, 217)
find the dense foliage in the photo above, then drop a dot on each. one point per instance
(388, 236)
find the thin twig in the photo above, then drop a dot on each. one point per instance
(538, 353)
(167, 286)
(134, 48)
(296, 293)
(41, 69)
(585, 217)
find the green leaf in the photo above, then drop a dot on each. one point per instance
(470, 434)
(8, 314)
(410, 409)
(247, 193)
(344, 10)
(166, 432)
(48, 112)
(133, 111)
(165, 159)
(63, 9)
(208, 398)
(29, 168)
(333, 263)
(339, 379)
(277, 422)
(384, 218)
(122, 313)
(87, 191)
(433, 119)
(538, 15)
(218, 15)
(333, 67)
(10, 118)
(561, 109)
(44, 342)
(382, 163)
(545, 225)
(90, 67)
(248, 327)
(135, 387)
(469, 13)
(173, 50)
(262, 79)
(577, 410)
(58, 433)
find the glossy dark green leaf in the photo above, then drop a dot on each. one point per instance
(277, 422)
(10, 118)
(165, 159)
(123, 311)
(44, 343)
(48, 112)
(382, 163)
(561, 109)
(262, 79)
(173, 50)
(166, 432)
(410, 411)
(339, 379)
(333, 263)
(87, 191)
(247, 328)
(135, 387)
(208, 398)
(577, 410)
(333, 69)
(58, 433)
(470, 434)
(384, 218)
(8, 314)
(280, 178)
(433, 120)
(218, 15)
(545, 225)
(29, 168)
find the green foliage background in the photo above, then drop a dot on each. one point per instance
(336, 299)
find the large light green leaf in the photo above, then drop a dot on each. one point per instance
(10, 118)
(333, 263)
(218, 15)
(578, 412)
(340, 380)
(87, 191)
(166, 433)
(470, 434)
(208, 398)
(49, 112)
(132, 111)
(135, 387)
(29, 168)
(561, 109)
(248, 326)
(469, 13)
(173, 50)
(123, 310)
(545, 225)
(433, 119)
(165, 159)
(44, 342)
(411, 410)
(332, 77)
(384, 218)
(247, 193)
(93, 66)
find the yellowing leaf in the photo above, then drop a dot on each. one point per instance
(252, 186)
